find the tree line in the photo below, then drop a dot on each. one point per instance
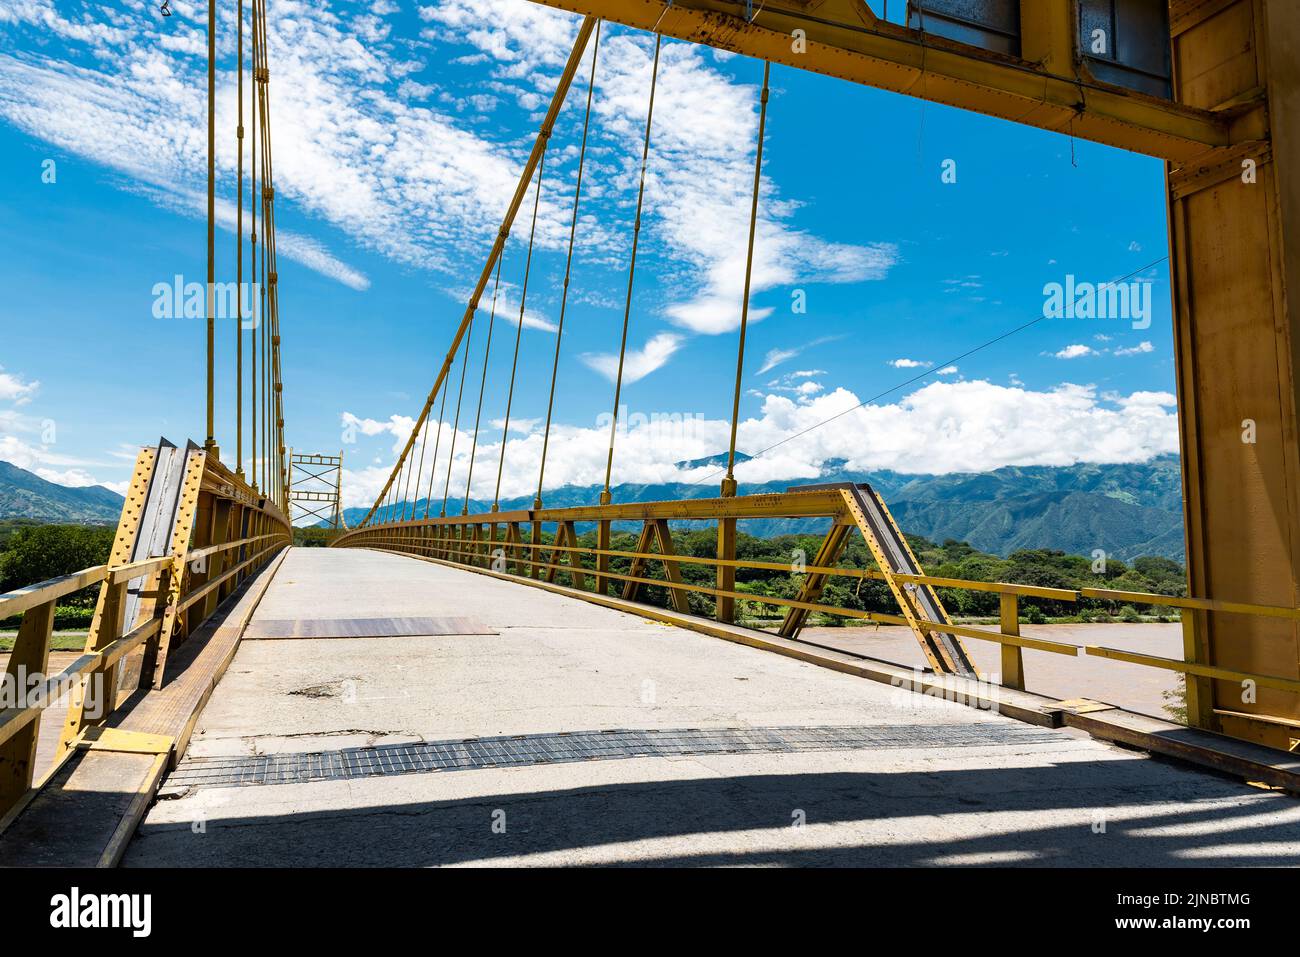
(30, 553)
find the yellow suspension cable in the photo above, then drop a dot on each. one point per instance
(399, 490)
(605, 496)
(729, 483)
(419, 472)
(568, 267)
(210, 442)
(278, 464)
(239, 257)
(252, 211)
(437, 443)
(455, 429)
(406, 484)
(523, 298)
(487, 352)
(525, 178)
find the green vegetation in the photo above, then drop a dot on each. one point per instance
(312, 537)
(952, 559)
(10, 527)
(31, 553)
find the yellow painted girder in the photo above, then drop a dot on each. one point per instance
(844, 39)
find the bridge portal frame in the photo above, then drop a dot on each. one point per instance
(1234, 234)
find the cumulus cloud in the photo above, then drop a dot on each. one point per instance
(910, 363)
(1076, 351)
(15, 389)
(943, 427)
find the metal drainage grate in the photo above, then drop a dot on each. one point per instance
(531, 749)
(274, 628)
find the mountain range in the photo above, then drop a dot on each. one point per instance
(24, 494)
(1127, 510)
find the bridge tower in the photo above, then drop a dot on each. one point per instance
(315, 488)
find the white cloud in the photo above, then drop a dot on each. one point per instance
(1140, 348)
(44, 461)
(507, 308)
(1075, 351)
(398, 426)
(14, 389)
(408, 181)
(637, 363)
(909, 363)
(410, 170)
(947, 370)
(775, 357)
(700, 171)
(31, 442)
(942, 427)
(516, 424)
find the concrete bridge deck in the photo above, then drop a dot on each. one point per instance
(354, 750)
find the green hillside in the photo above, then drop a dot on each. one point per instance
(1125, 510)
(24, 494)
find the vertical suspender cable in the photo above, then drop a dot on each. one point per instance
(399, 490)
(437, 443)
(278, 468)
(239, 258)
(210, 442)
(252, 268)
(729, 483)
(419, 472)
(487, 353)
(267, 488)
(406, 485)
(568, 268)
(605, 496)
(455, 429)
(523, 299)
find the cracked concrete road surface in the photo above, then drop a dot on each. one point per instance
(988, 795)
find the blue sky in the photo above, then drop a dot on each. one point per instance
(399, 131)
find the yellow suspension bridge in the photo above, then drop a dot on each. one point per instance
(230, 682)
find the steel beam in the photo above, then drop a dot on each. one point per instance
(1234, 230)
(1049, 88)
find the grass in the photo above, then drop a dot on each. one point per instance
(61, 641)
